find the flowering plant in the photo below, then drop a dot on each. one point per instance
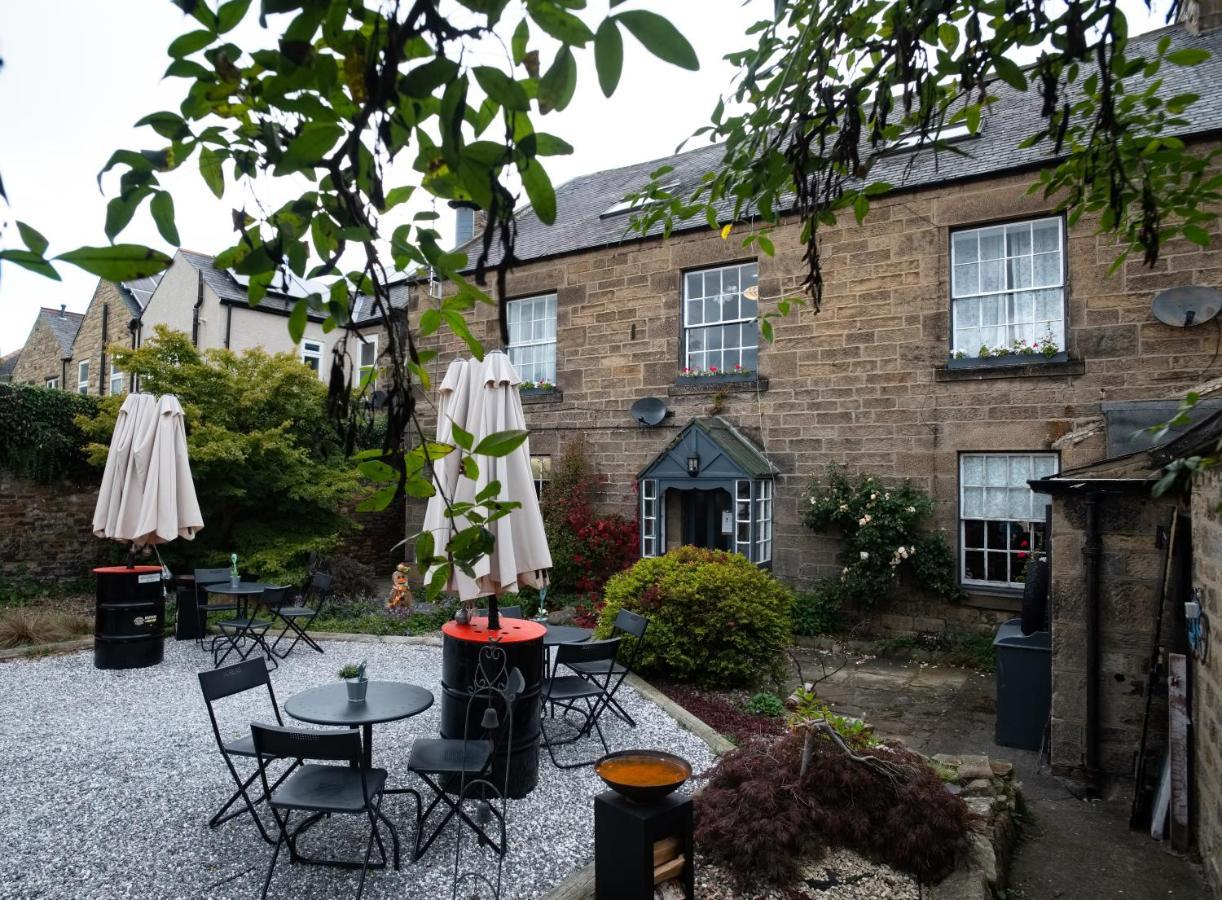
(881, 536)
(713, 371)
(1045, 346)
(541, 385)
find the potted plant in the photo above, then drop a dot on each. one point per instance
(738, 373)
(358, 684)
(540, 388)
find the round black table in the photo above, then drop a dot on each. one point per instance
(243, 591)
(240, 589)
(385, 701)
(566, 634)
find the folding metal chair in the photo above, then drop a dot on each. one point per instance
(442, 762)
(217, 685)
(509, 612)
(631, 627)
(567, 691)
(298, 618)
(323, 790)
(246, 627)
(203, 606)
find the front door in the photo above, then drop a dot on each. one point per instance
(704, 514)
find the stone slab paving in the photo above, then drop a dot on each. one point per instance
(111, 776)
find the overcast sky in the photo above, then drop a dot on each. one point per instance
(78, 73)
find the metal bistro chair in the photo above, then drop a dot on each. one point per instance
(567, 691)
(509, 612)
(203, 606)
(324, 790)
(297, 618)
(440, 762)
(631, 627)
(217, 685)
(245, 626)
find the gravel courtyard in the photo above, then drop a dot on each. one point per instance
(111, 777)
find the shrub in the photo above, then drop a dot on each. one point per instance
(39, 438)
(715, 618)
(817, 611)
(757, 816)
(351, 578)
(586, 548)
(881, 534)
(722, 714)
(766, 704)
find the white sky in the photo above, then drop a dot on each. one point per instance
(78, 73)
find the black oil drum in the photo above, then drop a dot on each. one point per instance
(129, 631)
(460, 659)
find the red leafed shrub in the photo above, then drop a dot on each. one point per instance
(586, 548)
(757, 816)
(723, 715)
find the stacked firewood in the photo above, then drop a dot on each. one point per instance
(668, 863)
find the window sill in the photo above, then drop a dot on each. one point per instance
(713, 384)
(1009, 367)
(999, 599)
(536, 395)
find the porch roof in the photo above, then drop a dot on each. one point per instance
(739, 451)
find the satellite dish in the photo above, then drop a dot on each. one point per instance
(649, 411)
(1182, 307)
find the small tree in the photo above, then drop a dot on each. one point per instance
(269, 473)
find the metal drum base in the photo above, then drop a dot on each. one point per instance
(128, 652)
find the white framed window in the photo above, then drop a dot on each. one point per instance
(742, 518)
(1007, 285)
(720, 329)
(532, 337)
(1001, 520)
(53, 383)
(763, 521)
(540, 472)
(311, 355)
(367, 354)
(118, 381)
(650, 534)
(82, 377)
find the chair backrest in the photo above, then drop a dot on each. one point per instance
(342, 745)
(274, 597)
(210, 576)
(508, 612)
(220, 683)
(318, 588)
(590, 651)
(631, 623)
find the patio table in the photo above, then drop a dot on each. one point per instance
(385, 701)
(243, 591)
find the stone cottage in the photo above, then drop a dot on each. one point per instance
(46, 357)
(959, 255)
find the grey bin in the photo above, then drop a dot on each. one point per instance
(1024, 685)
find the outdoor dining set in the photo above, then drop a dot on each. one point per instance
(504, 689)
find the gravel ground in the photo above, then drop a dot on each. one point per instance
(111, 777)
(840, 875)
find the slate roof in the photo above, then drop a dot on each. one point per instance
(64, 325)
(136, 293)
(8, 364)
(232, 292)
(581, 202)
(733, 443)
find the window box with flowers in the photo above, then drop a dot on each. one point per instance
(538, 391)
(715, 375)
(1019, 353)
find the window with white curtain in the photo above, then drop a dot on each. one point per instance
(532, 337)
(82, 377)
(1008, 285)
(1001, 520)
(540, 472)
(649, 517)
(763, 521)
(742, 518)
(118, 381)
(720, 328)
(369, 359)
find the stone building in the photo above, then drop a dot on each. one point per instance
(109, 319)
(8, 363)
(958, 255)
(47, 353)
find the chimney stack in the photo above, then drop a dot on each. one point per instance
(63, 310)
(1201, 16)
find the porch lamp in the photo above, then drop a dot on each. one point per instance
(693, 466)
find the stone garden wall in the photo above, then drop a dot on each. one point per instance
(1207, 676)
(46, 530)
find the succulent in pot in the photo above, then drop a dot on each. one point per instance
(358, 684)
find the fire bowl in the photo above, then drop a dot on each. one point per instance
(643, 775)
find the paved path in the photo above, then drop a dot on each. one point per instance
(1075, 849)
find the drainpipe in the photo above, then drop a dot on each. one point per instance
(1092, 552)
(199, 302)
(105, 338)
(228, 324)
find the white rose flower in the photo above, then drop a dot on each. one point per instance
(865, 555)
(912, 509)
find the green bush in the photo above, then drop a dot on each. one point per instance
(817, 611)
(715, 618)
(39, 438)
(766, 704)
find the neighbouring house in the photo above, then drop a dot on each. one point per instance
(8, 363)
(958, 255)
(46, 356)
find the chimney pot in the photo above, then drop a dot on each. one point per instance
(63, 310)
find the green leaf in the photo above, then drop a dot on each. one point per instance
(1197, 235)
(379, 499)
(562, 25)
(660, 38)
(540, 191)
(861, 208)
(521, 37)
(230, 14)
(948, 36)
(376, 470)
(464, 439)
(558, 82)
(297, 320)
(608, 56)
(119, 262)
(542, 144)
(972, 116)
(1009, 72)
(32, 261)
(470, 468)
(501, 88)
(424, 548)
(119, 211)
(501, 443)
(309, 146)
(162, 208)
(36, 243)
(211, 170)
(1188, 56)
(191, 42)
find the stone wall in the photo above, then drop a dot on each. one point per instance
(105, 323)
(379, 532)
(1130, 568)
(41, 357)
(1207, 676)
(864, 382)
(46, 530)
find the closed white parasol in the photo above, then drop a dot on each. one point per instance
(147, 495)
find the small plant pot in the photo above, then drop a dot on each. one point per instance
(356, 689)
(235, 580)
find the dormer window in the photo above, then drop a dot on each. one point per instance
(948, 135)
